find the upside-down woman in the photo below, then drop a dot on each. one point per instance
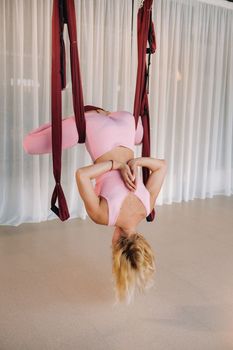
(119, 198)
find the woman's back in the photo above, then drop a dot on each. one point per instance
(123, 206)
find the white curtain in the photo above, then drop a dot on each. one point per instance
(191, 96)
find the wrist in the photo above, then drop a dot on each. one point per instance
(117, 165)
(135, 161)
(121, 165)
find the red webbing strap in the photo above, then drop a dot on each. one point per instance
(56, 87)
(64, 12)
(77, 91)
(145, 32)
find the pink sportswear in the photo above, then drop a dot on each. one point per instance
(103, 133)
(111, 186)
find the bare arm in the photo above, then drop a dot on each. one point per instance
(151, 163)
(158, 169)
(92, 171)
(84, 176)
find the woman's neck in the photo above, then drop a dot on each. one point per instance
(122, 231)
(128, 230)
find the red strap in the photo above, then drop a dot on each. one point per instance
(64, 12)
(75, 72)
(145, 30)
(56, 87)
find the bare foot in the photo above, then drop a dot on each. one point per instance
(100, 111)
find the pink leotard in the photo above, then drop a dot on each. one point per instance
(103, 133)
(111, 186)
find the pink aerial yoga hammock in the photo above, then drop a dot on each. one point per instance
(64, 12)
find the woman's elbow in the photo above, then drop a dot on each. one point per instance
(79, 174)
(164, 165)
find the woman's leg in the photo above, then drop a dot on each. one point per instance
(39, 141)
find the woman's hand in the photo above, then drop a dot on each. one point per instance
(133, 165)
(127, 176)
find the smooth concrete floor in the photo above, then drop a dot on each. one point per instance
(56, 285)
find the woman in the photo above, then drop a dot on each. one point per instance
(119, 198)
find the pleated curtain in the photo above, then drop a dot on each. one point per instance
(191, 96)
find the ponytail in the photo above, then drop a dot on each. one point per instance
(133, 266)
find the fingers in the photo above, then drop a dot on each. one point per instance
(129, 179)
(135, 175)
(131, 175)
(130, 184)
(135, 180)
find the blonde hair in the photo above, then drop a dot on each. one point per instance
(133, 266)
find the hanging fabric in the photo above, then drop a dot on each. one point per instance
(64, 12)
(145, 32)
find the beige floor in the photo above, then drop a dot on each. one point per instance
(56, 285)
